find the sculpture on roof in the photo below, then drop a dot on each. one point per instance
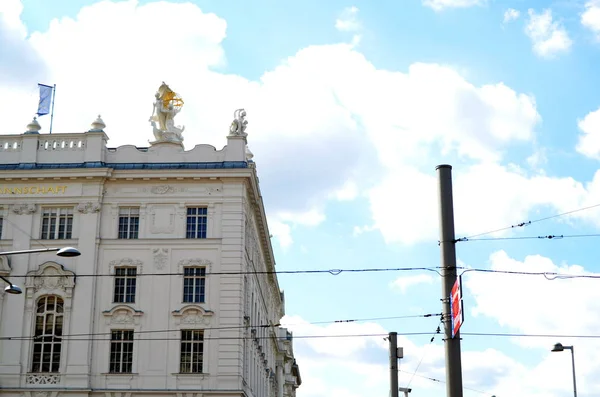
(239, 123)
(166, 106)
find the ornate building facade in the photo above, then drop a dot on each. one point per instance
(173, 293)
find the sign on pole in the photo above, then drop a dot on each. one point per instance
(456, 307)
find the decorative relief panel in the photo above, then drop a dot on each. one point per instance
(194, 262)
(162, 218)
(129, 262)
(43, 379)
(192, 315)
(158, 189)
(50, 277)
(88, 208)
(23, 209)
(126, 262)
(161, 257)
(122, 315)
(163, 189)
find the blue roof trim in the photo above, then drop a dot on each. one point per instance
(127, 166)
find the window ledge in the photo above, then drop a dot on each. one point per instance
(190, 379)
(120, 374)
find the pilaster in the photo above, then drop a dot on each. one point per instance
(82, 317)
(29, 148)
(95, 146)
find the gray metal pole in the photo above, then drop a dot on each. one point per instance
(52, 113)
(33, 251)
(573, 361)
(454, 386)
(393, 336)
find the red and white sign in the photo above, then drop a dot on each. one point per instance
(456, 307)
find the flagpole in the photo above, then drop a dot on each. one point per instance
(52, 113)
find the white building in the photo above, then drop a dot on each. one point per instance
(172, 294)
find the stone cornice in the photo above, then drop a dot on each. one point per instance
(257, 206)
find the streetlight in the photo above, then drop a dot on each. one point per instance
(559, 348)
(11, 288)
(65, 252)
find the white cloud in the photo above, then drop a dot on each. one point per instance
(128, 62)
(282, 232)
(394, 108)
(358, 230)
(511, 15)
(348, 192)
(590, 18)
(348, 20)
(589, 142)
(308, 218)
(403, 283)
(537, 159)
(411, 215)
(10, 17)
(439, 5)
(21, 63)
(545, 310)
(549, 38)
(535, 305)
(309, 106)
(363, 363)
(470, 122)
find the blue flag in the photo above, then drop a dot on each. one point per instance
(45, 99)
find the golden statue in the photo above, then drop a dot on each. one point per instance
(166, 106)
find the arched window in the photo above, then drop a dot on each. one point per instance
(47, 341)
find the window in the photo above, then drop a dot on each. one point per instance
(196, 222)
(121, 351)
(192, 342)
(125, 283)
(57, 223)
(194, 280)
(47, 341)
(129, 223)
(1, 224)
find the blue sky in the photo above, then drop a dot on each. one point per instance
(351, 106)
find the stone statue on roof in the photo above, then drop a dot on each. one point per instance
(166, 106)
(239, 123)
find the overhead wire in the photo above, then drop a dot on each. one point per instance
(516, 335)
(73, 336)
(527, 223)
(442, 381)
(225, 337)
(547, 237)
(437, 331)
(333, 272)
(547, 275)
(5, 219)
(463, 334)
